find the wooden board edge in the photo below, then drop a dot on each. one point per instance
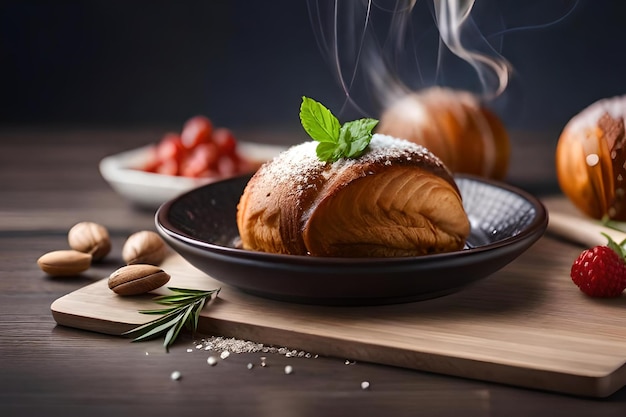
(612, 383)
(600, 386)
(63, 316)
(93, 325)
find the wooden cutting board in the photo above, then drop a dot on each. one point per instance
(527, 325)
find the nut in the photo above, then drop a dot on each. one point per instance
(144, 247)
(90, 238)
(64, 262)
(137, 279)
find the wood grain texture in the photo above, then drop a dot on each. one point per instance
(527, 325)
(49, 180)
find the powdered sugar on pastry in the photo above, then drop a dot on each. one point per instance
(396, 199)
(300, 163)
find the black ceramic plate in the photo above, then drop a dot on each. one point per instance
(201, 226)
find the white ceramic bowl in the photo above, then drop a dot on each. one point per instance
(149, 190)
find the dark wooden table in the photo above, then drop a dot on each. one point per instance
(49, 181)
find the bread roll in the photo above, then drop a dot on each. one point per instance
(591, 159)
(397, 199)
(453, 125)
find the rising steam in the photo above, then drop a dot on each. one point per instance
(491, 68)
(392, 47)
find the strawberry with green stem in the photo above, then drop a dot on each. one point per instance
(601, 270)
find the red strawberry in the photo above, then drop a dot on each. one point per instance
(601, 271)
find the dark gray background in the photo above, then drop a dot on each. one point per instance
(247, 63)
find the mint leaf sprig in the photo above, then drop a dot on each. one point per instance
(336, 141)
(184, 309)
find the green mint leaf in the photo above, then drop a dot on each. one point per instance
(318, 121)
(327, 151)
(335, 141)
(357, 136)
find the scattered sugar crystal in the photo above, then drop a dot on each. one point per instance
(175, 376)
(232, 345)
(365, 385)
(224, 354)
(211, 360)
(250, 365)
(288, 369)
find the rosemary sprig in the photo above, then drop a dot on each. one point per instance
(184, 309)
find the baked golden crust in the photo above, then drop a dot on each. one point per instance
(591, 159)
(398, 199)
(454, 126)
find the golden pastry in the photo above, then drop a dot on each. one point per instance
(396, 199)
(591, 159)
(453, 125)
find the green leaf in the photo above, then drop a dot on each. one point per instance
(182, 294)
(158, 311)
(159, 329)
(617, 248)
(327, 151)
(151, 324)
(185, 312)
(196, 316)
(177, 299)
(172, 334)
(360, 135)
(335, 141)
(318, 121)
(189, 291)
